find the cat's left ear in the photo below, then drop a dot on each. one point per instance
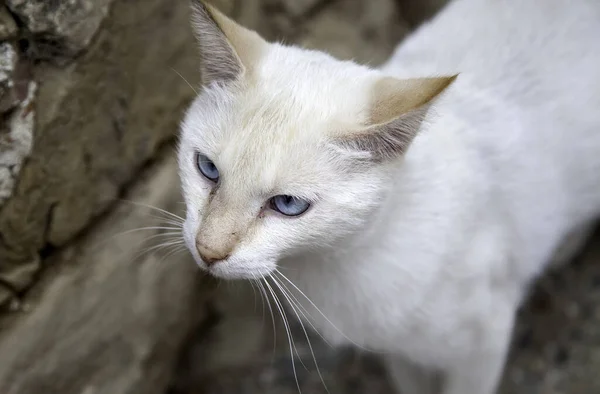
(228, 51)
(398, 107)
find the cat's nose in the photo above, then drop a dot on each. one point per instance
(209, 255)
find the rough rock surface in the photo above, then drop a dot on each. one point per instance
(16, 139)
(8, 26)
(366, 31)
(8, 65)
(97, 120)
(415, 12)
(59, 29)
(107, 317)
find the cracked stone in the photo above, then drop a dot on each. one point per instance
(15, 76)
(97, 121)
(8, 64)
(59, 27)
(8, 27)
(106, 317)
(16, 140)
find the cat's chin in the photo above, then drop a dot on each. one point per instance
(238, 270)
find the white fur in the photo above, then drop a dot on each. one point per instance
(426, 258)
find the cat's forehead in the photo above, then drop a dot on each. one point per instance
(273, 129)
(270, 144)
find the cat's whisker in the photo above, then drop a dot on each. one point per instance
(158, 247)
(173, 250)
(149, 228)
(168, 235)
(288, 333)
(284, 292)
(163, 216)
(288, 326)
(185, 80)
(320, 312)
(262, 303)
(168, 220)
(166, 252)
(162, 245)
(305, 313)
(287, 268)
(163, 211)
(171, 236)
(255, 285)
(253, 293)
(264, 292)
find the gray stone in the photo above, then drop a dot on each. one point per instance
(15, 78)
(298, 8)
(15, 143)
(366, 31)
(98, 120)
(415, 12)
(60, 27)
(8, 64)
(8, 27)
(107, 317)
(16, 127)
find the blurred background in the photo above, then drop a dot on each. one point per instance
(97, 295)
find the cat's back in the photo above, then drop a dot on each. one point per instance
(519, 48)
(528, 93)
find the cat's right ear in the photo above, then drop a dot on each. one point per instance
(397, 111)
(228, 51)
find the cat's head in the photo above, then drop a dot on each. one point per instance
(285, 149)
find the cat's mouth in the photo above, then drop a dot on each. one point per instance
(243, 263)
(235, 268)
(224, 270)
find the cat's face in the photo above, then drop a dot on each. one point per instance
(285, 150)
(244, 150)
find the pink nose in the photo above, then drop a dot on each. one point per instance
(209, 255)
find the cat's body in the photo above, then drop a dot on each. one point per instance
(505, 167)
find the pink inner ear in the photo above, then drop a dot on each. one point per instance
(390, 140)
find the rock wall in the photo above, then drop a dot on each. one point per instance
(106, 317)
(89, 92)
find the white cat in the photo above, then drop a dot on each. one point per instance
(411, 207)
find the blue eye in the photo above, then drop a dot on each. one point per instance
(207, 167)
(289, 205)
